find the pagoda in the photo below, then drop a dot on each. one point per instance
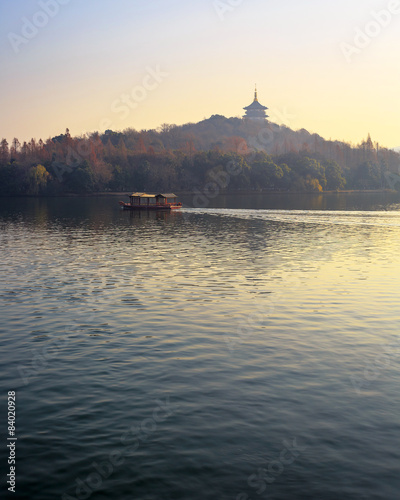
(255, 111)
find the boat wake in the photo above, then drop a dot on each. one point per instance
(349, 218)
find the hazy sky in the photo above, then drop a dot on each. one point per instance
(331, 67)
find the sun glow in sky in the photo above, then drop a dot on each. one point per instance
(329, 67)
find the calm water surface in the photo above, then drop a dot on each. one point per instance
(238, 351)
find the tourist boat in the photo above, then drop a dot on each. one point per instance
(144, 201)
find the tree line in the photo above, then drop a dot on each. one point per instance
(266, 157)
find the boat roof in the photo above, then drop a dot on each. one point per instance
(145, 195)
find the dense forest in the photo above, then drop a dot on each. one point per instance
(233, 153)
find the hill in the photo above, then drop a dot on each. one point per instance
(265, 156)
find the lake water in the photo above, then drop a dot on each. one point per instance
(237, 351)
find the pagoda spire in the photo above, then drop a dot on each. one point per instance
(255, 93)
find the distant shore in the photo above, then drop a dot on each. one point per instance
(243, 192)
(194, 193)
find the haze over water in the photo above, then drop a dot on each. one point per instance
(230, 353)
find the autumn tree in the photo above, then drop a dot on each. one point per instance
(109, 149)
(122, 152)
(38, 177)
(4, 152)
(141, 148)
(102, 174)
(15, 145)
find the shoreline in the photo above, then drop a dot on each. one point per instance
(222, 193)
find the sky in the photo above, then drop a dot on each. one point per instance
(331, 67)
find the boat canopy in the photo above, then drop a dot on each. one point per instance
(167, 195)
(142, 195)
(159, 195)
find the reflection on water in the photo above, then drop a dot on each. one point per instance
(229, 352)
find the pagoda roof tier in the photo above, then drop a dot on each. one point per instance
(255, 105)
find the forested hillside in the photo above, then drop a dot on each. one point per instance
(259, 156)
